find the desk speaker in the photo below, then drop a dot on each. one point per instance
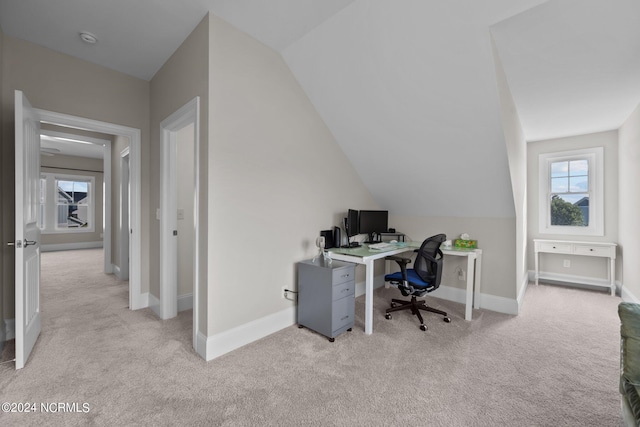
(328, 238)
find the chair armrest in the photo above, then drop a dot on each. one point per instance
(400, 260)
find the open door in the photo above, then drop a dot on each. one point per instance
(27, 241)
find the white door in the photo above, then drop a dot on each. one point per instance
(27, 241)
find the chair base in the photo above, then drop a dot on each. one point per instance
(415, 306)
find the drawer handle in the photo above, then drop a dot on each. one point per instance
(344, 318)
(554, 247)
(345, 290)
(346, 275)
(591, 249)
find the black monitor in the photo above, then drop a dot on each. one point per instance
(373, 222)
(351, 223)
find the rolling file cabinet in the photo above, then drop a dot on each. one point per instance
(326, 296)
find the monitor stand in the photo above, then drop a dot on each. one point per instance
(372, 240)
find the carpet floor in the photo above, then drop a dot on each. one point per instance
(555, 364)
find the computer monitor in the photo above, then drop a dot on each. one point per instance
(351, 223)
(373, 222)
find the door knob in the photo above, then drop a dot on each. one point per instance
(29, 242)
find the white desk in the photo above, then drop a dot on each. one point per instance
(567, 247)
(363, 255)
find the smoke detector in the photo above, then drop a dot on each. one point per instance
(87, 37)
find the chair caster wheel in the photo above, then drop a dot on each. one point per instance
(387, 316)
(332, 339)
(350, 329)
(447, 319)
(423, 328)
(393, 304)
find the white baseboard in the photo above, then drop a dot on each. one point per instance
(486, 301)
(116, 271)
(9, 329)
(185, 302)
(572, 280)
(628, 296)
(154, 304)
(224, 342)
(144, 300)
(70, 246)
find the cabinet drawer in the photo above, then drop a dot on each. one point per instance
(561, 248)
(593, 250)
(341, 275)
(344, 290)
(342, 313)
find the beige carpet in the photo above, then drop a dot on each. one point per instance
(556, 364)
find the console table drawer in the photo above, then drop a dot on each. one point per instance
(561, 248)
(601, 251)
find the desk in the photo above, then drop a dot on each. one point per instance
(567, 247)
(363, 255)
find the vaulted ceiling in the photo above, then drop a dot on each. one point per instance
(408, 88)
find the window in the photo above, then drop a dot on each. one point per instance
(66, 203)
(571, 192)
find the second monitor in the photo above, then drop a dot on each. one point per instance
(373, 222)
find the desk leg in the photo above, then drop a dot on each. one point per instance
(470, 279)
(368, 298)
(476, 280)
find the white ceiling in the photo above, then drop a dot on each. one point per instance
(573, 66)
(407, 87)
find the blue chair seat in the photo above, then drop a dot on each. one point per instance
(412, 276)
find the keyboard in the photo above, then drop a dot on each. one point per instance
(383, 246)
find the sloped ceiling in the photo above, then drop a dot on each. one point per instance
(573, 66)
(407, 87)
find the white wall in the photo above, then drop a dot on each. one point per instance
(276, 178)
(629, 205)
(517, 154)
(580, 266)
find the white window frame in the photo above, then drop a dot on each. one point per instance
(50, 221)
(595, 157)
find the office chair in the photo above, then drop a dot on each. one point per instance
(423, 278)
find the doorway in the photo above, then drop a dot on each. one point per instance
(136, 299)
(179, 151)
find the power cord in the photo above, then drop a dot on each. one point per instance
(287, 291)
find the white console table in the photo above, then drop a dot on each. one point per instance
(597, 249)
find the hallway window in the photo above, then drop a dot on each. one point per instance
(67, 203)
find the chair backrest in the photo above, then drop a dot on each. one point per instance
(428, 263)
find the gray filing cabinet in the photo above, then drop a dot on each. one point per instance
(326, 296)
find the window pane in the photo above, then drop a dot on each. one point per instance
(559, 185)
(579, 184)
(570, 209)
(559, 169)
(73, 201)
(579, 167)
